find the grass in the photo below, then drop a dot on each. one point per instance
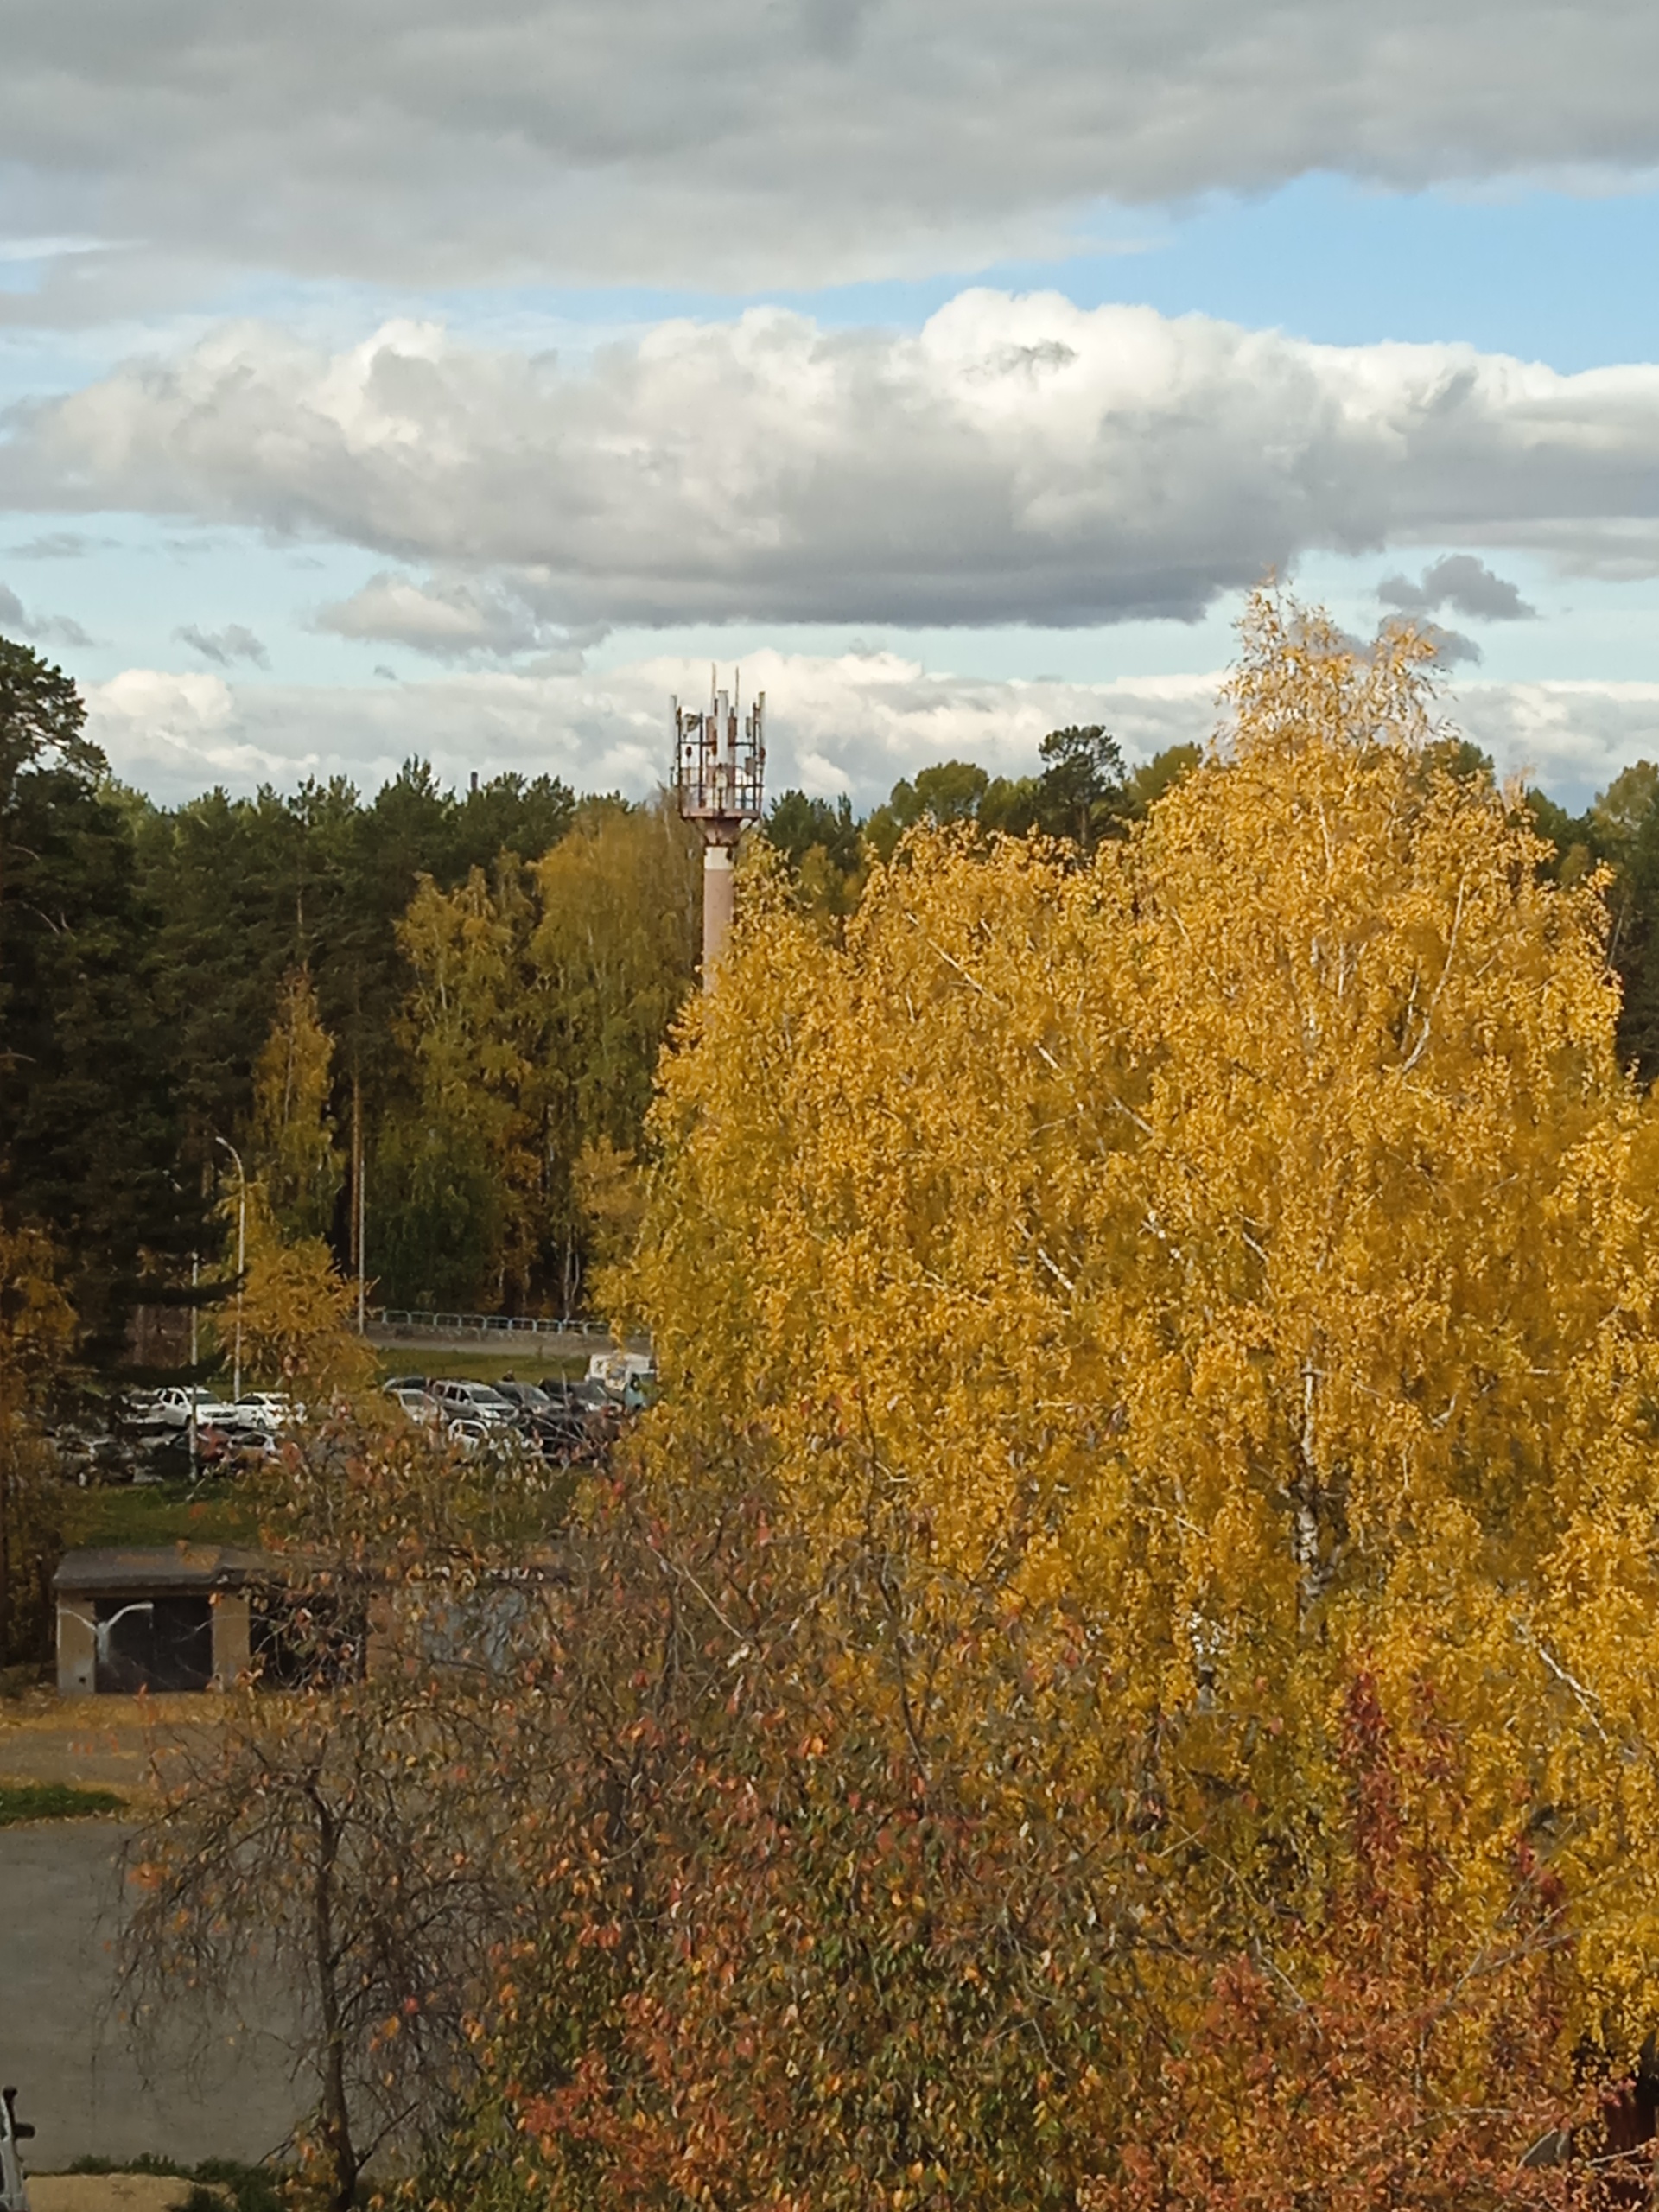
(525, 1360)
(157, 1513)
(52, 1801)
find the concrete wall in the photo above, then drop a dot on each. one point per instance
(77, 1648)
(231, 1634)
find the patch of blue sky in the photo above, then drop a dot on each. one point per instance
(134, 582)
(1544, 275)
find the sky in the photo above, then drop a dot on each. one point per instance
(464, 381)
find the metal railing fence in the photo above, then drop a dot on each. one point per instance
(485, 1325)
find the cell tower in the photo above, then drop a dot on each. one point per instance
(720, 766)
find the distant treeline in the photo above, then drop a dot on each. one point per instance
(463, 995)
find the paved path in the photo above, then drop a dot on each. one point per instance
(76, 2076)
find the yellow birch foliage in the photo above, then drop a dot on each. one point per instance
(298, 1313)
(471, 1023)
(1245, 1239)
(292, 1139)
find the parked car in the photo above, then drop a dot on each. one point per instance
(269, 1409)
(176, 1404)
(419, 1404)
(472, 1400)
(472, 1434)
(529, 1397)
(221, 1446)
(398, 1382)
(587, 1396)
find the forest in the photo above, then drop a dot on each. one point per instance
(1119, 1673)
(460, 997)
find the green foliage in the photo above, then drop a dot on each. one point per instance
(87, 1126)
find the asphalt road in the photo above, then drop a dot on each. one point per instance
(227, 2093)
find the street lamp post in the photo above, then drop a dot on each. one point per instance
(241, 1257)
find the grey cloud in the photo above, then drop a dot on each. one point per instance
(449, 619)
(752, 141)
(42, 629)
(58, 545)
(1453, 649)
(234, 643)
(1461, 581)
(768, 469)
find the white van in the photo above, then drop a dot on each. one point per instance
(624, 1374)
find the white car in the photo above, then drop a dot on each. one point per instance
(176, 1404)
(269, 1409)
(420, 1406)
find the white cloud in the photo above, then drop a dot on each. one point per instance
(1018, 459)
(856, 723)
(1572, 739)
(759, 141)
(853, 723)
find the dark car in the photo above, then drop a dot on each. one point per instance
(586, 1396)
(530, 1398)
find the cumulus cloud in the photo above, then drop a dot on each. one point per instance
(1017, 459)
(755, 141)
(222, 647)
(854, 722)
(43, 629)
(1462, 582)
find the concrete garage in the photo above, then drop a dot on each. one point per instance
(156, 1617)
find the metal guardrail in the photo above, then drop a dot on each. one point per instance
(485, 1325)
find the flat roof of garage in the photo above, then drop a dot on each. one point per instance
(159, 1566)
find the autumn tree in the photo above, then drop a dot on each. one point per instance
(294, 1313)
(1241, 1242)
(342, 1833)
(292, 1138)
(541, 1001)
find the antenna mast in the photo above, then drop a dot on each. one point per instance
(719, 762)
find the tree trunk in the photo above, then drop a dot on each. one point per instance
(343, 2160)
